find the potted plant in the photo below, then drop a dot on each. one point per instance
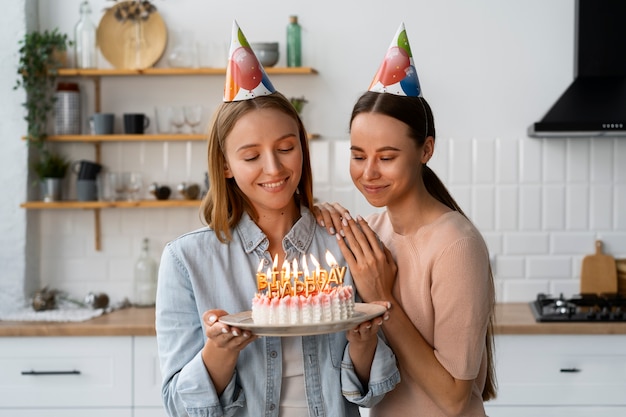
(51, 169)
(41, 54)
(298, 103)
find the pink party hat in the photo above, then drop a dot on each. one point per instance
(245, 76)
(397, 74)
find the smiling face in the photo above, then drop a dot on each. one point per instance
(385, 163)
(264, 156)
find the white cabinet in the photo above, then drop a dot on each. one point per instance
(78, 376)
(560, 375)
(65, 372)
(147, 378)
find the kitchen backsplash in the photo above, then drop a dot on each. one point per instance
(539, 203)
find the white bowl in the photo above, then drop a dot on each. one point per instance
(266, 52)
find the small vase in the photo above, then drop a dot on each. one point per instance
(51, 189)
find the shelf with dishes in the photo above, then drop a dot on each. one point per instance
(137, 138)
(89, 205)
(112, 72)
(95, 75)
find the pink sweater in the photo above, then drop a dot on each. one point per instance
(443, 286)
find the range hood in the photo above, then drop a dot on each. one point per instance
(595, 103)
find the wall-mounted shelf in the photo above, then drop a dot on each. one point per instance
(136, 138)
(95, 76)
(96, 206)
(89, 205)
(100, 72)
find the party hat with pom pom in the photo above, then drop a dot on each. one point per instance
(397, 74)
(245, 76)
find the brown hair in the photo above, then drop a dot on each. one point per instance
(225, 203)
(416, 113)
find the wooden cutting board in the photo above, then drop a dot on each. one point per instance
(598, 273)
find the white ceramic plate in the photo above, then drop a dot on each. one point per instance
(362, 312)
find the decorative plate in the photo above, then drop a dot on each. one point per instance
(362, 312)
(132, 44)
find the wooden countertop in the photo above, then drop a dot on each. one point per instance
(511, 319)
(517, 319)
(124, 322)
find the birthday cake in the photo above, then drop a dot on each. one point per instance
(293, 296)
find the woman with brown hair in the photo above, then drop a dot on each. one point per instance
(422, 253)
(258, 206)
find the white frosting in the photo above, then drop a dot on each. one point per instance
(338, 304)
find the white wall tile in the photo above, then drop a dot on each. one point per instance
(553, 207)
(483, 159)
(526, 243)
(484, 207)
(619, 160)
(508, 207)
(321, 161)
(619, 207)
(340, 155)
(516, 291)
(567, 243)
(460, 161)
(531, 166)
(554, 160)
(548, 267)
(577, 160)
(601, 207)
(577, 207)
(530, 207)
(602, 160)
(507, 161)
(510, 267)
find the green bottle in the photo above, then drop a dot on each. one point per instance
(294, 43)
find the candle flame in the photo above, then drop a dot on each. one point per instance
(294, 268)
(305, 267)
(330, 259)
(260, 268)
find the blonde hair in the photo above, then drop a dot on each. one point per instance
(225, 203)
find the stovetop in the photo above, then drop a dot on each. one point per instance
(579, 308)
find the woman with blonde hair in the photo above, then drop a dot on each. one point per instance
(258, 206)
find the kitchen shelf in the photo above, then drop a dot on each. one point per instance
(96, 206)
(95, 75)
(43, 205)
(173, 137)
(101, 72)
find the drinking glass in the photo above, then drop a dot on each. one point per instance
(178, 118)
(117, 186)
(163, 118)
(133, 183)
(193, 116)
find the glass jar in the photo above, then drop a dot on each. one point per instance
(145, 278)
(85, 47)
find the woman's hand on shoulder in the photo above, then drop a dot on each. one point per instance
(330, 216)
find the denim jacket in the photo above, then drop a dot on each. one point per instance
(197, 273)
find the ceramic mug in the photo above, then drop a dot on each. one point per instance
(135, 123)
(103, 123)
(86, 170)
